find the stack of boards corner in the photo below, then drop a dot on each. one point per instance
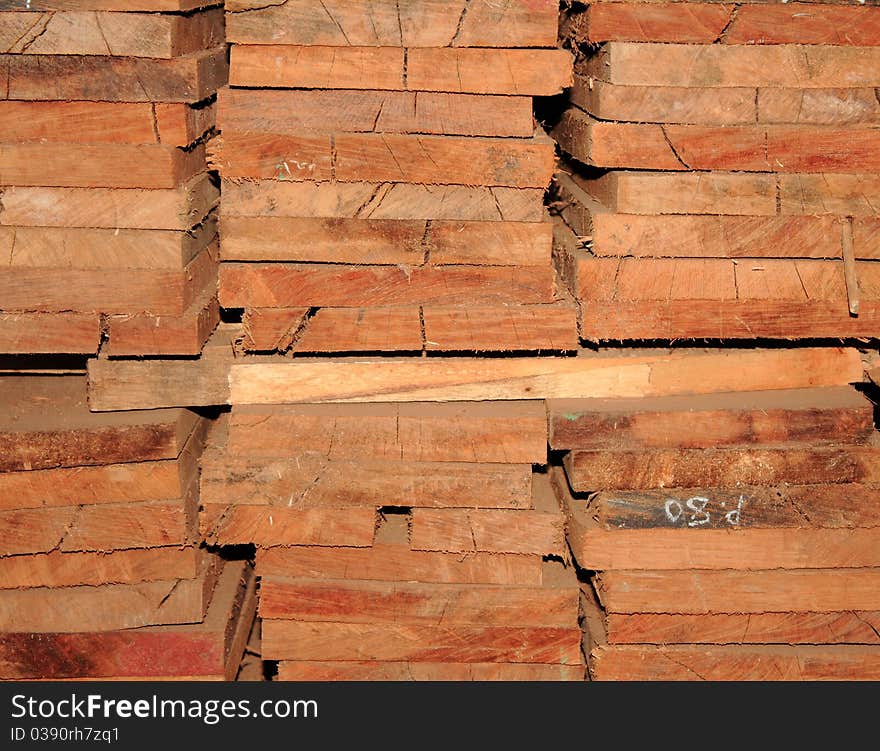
(107, 212)
(383, 176)
(721, 178)
(102, 575)
(732, 537)
(398, 541)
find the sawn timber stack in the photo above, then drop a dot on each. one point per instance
(720, 179)
(107, 213)
(732, 537)
(383, 176)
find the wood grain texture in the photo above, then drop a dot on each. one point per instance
(50, 333)
(373, 670)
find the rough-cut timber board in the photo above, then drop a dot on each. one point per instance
(49, 333)
(149, 35)
(190, 78)
(399, 201)
(847, 195)
(356, 157)
(775, 66)
(161, 292)
(45, 422)
(108, 607)
(396, 562)
(98, 165)
(125, 385)
(385, 241)
(464, 379)
(289, 285)
(145, 334)
(372, 670)
(818, 106)
(745, 319)
(778, 24)
(78, 248)
(208, 650)
(750, 628)
(284, 640)
(515, 72)
(59, 569)
(505, 432)
(310, 481)
(722, 467)
(147, 6)
(735, 663)
(421, 23)
(224, 524)
(352, 111)
(374, 602)
(103, 122)
(812, 416)
(397, 329)
(511, 328)
(815, 590)
(756, 148)
(716, 193)
(172, 209)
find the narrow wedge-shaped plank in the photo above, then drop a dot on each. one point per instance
(423, 23)
(190, 78)
(97, 33)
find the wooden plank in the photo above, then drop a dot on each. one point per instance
(815, 590)
(97, 166)
(126, 385)
(224, 524)
(149, 6)
(372, 670)
(374, 602)
(726, 193)
(399, 201)
(736, 663)
(665, 104)
(312, 285)
(812, 416)
(190, 78)
(109, 607)
(512, 328)
(161, 292)
(722, 467)
(178, 208)
(142, 334)
(385, 241)
(352, 111)
(746, 319)
(417, 24)
(362, 330)
(210, 650)
(751, 628)
(692, 22)
(818, 106)
(846, 195)
(284, 640)
(101, 249)
(386, 562)
(774, 66)
(464, 379)
(310, 481)
(769, 24)
(68, 435)
(99, 33)
(62, 569)
(514, 432)
(49, 333)
(103, 122)
(356, 157)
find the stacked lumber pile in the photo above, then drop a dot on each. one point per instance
(383, 176)
(398, 541)
(732, 537)
(722, 173)
(99, 551)
(107, 213)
